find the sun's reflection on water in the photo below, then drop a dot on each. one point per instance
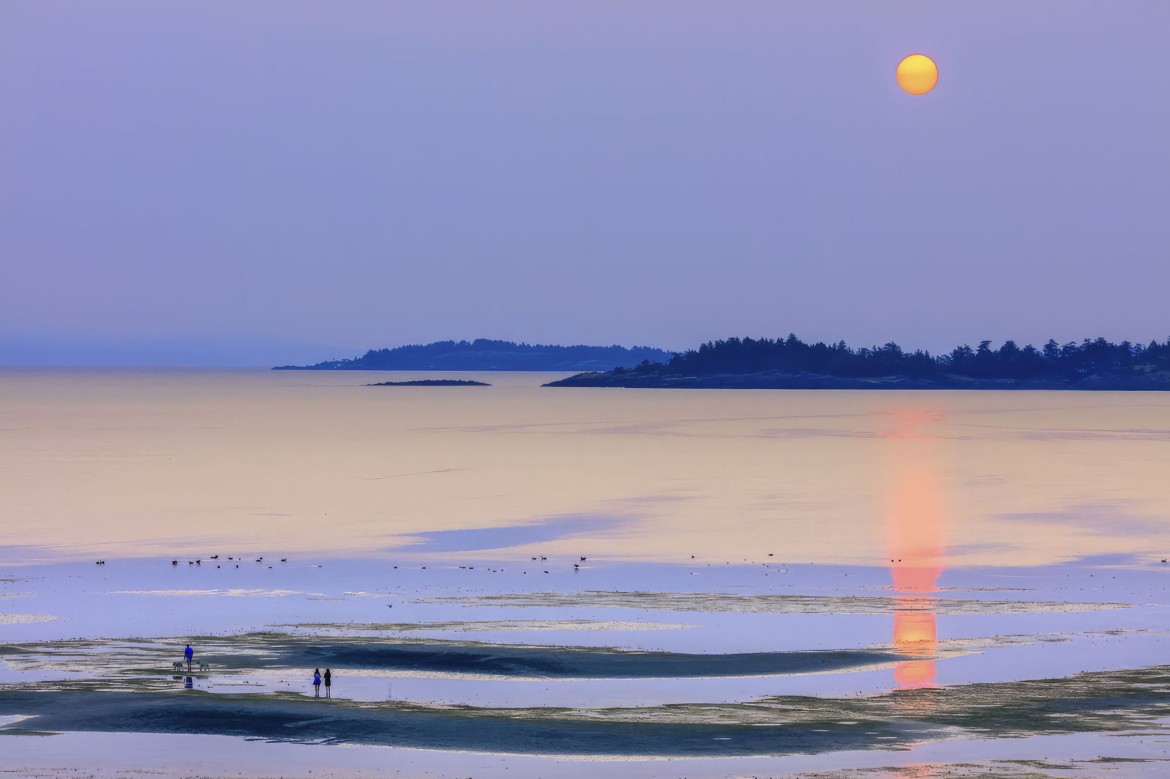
(915, 635)
(914, 526)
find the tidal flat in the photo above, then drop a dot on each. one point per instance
(1124, 702)
(590, 674)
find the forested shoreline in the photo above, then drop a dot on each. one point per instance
(792, 363)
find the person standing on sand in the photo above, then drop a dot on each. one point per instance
(316, 682)
(328, 681)
(188, 653)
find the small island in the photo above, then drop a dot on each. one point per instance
(790, 363)
(431, 383)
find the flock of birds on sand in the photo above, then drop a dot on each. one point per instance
(199, 561)
(542, 558)
(217, 565)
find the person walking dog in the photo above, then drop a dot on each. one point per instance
(188, 653)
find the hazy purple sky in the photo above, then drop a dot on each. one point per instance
(248, 182)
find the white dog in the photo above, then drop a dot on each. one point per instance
(204, 667)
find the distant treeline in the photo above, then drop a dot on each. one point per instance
(484, 354)
(1071, 361)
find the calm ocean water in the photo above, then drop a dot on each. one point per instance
(144, 463)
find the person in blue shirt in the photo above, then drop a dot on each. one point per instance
(316, 682)
(188, 653)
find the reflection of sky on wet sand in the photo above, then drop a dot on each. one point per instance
(915, 523)
(187, 754)
(915, 634)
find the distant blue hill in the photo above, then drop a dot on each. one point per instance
(483, 354)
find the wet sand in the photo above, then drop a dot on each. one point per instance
(634, 675)
(1130, 701)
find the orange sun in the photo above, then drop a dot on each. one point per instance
(917, 74)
